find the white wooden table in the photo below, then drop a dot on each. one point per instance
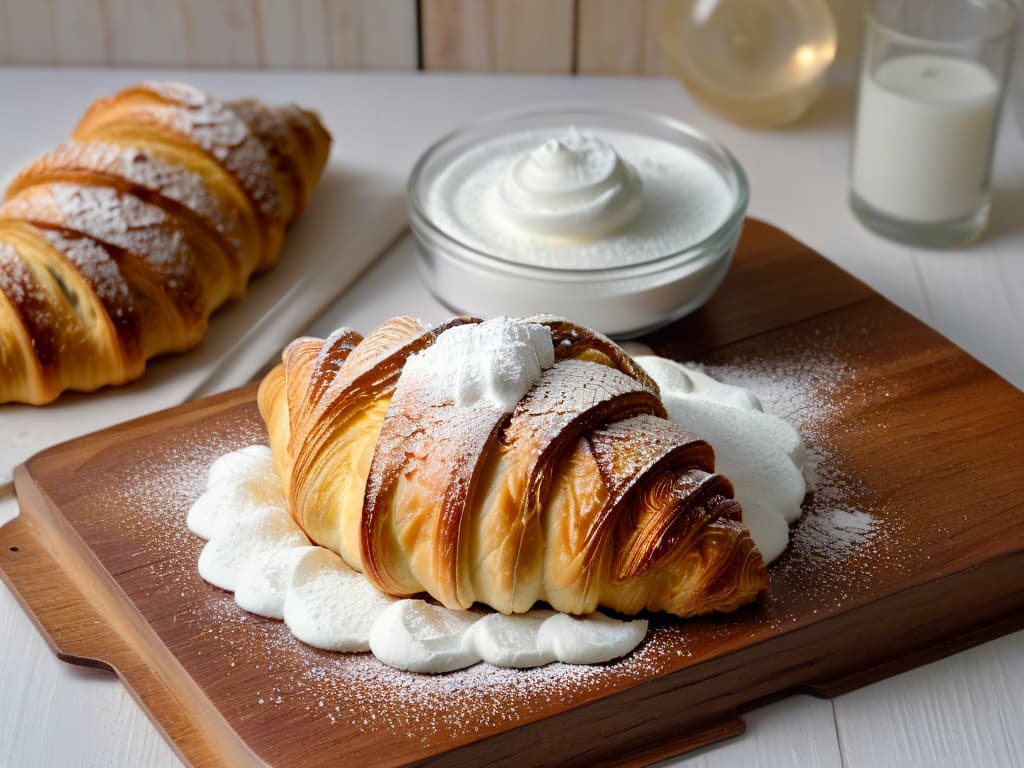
(965, 710)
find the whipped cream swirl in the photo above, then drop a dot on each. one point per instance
(576, 188)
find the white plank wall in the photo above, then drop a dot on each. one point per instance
(282, 34)
(498, 35)
(619, 37)
(137, 33)
(379, 36)
(221, 33)
(299, 42)
(80, 33)
(27, 32)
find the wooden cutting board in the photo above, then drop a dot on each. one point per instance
(911, 547)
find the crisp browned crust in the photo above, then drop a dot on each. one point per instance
(176, 189)
(585, 495)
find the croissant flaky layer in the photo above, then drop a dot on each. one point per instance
(583, 495)
(118, 245)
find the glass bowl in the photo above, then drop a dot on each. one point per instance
(621, 301)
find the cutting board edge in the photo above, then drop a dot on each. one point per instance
(824, 685)
(727, 669)
(39, 514)
(242, 394)
(64, 565)
(41, 524)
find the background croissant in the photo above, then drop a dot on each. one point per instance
(585, 495)
(118, 245)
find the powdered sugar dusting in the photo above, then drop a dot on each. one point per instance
(95, 266)
(840, 533)
(143, 168)
(339, 689)
(561, 394)
(103, 276)
(109, 216)
(496, 361)
(220, 132)
(15, 280)
(811, 388)
(123, 221)
(33, 310)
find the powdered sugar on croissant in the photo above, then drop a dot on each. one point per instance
(577, 493)
(496, 362)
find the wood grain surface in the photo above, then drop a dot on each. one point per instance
(101, 559)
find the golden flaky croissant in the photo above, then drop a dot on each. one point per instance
(583, 495)
(118, 245)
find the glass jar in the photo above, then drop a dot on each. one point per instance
(757, 62)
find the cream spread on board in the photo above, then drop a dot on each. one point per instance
(762, 454)
(256, 550)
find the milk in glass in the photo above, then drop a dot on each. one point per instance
(924, 136)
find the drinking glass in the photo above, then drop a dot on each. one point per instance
(932, 84)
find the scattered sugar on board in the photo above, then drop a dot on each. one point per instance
(840, 543)
(357, 691)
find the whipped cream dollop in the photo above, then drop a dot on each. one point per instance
(496, 362)
(574, 187)
(762, 454)
(256, 550)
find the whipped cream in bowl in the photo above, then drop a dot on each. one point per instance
(622, 220)
(572, 187)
